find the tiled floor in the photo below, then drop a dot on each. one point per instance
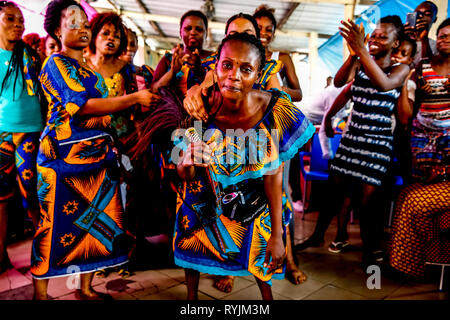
(330, 277)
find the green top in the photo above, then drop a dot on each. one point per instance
(19, 112)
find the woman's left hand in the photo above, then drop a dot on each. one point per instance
(276, 250)
(354, 35)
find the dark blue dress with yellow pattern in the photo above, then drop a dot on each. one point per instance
(81, 218)
(226, 245)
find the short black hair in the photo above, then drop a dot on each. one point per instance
(195, 13)
(396, 21)
(264, 11)
(434, 9)
(246, 17)
(103, 19)
(444, 24)
(412, 42)
(250, 39)
(53, 15)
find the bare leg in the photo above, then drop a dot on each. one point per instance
(224, 283)
(266, 290)
(3, 230)
(294, 274)
(342, 221)
(192, 279)
(40, 289)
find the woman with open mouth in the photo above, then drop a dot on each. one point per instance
(81, 227)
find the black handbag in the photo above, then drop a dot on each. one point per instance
(245, 201)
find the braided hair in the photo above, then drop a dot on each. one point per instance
(246, 17)
(247, 38)
(16, 62)
(53, 16)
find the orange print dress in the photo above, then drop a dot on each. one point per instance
(81, 221)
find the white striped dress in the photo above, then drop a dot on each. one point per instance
(366, 147)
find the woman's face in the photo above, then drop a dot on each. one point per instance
(241, 25)
(266, 30)
(51, 46)
(237, 69)
(382, 39)
(74, 30)
(443, 41)
(107, 41)
(132, 47)
(11, 24)
(193, 32)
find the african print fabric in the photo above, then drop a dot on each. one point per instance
(365, 149)
(418, 228)
(430, 137)
(80, 227)
(18, 153)
(204, 238)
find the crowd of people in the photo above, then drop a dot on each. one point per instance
(105, 153)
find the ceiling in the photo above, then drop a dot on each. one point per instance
(159, 24)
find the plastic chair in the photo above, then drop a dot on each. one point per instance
(318, 166)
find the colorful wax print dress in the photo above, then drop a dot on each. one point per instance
(271, 68)
(80, 228)
(422, 210)
(365, 149)
(430, 136)
(207, 240)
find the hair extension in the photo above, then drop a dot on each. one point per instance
(103, 19)
(247, 38)
(16, 61)
(246, 17)
(264, 11)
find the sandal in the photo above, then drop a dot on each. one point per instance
(124, 273)
(337, 247)
(103, 273)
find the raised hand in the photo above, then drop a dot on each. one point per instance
(354, 36)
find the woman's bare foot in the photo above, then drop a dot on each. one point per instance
(294, 274)
(224, 283)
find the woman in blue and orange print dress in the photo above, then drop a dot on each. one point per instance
(208, 238)
(81, 223)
